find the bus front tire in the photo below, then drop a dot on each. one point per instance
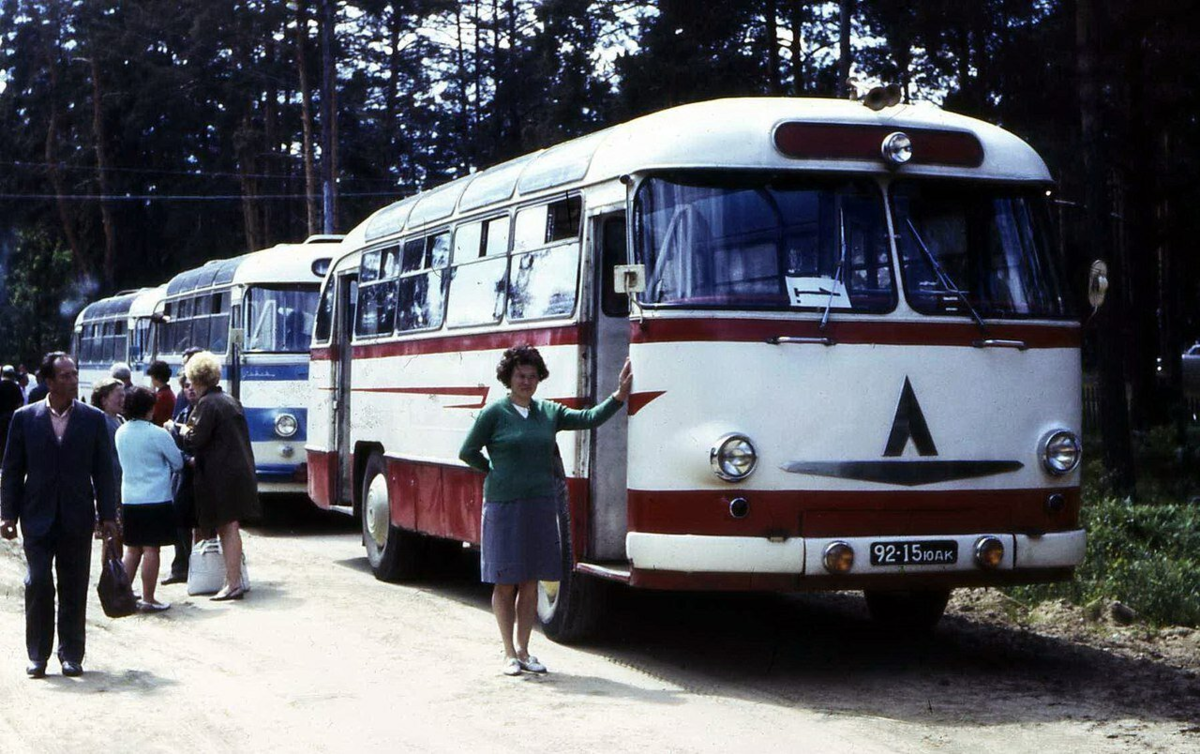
(569, 610)
(394, 554)
(913, 612)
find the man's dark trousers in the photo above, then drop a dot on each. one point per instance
(72, 558)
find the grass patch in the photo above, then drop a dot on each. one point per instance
(1144, 555)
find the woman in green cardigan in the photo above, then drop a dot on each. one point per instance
(520, 515)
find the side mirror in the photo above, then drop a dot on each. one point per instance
(1097, 284)
(629, 278)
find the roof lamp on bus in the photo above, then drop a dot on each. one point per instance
(321, 266)
(857, 141)
(495, 184)
(560, 165)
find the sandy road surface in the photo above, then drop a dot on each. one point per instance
(322, 657)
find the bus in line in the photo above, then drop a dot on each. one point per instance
(256, 313)
(114, 329)
(856, 362)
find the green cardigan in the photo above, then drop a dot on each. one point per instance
(522, 449)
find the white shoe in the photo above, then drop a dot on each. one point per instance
(512, 666)
(531, 664)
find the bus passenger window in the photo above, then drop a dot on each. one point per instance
(325, 313)
(376, 311)
(542, 283)
(391, 262)
(477, 293)
(421, 301)
(467, 242)
(437, 251)
(530, 232)
(414, 255)
(495, 237)
(370, 265)
(562, 220)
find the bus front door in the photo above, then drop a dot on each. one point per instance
(609, 515)
(347, 297)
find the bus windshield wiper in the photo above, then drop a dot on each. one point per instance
(837, 276)
(944, 278)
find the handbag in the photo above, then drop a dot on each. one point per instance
(116, 593)
(206, 568)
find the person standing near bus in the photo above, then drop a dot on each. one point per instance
(11, 399)
(159, 373)
(520, 544)
(226, 486)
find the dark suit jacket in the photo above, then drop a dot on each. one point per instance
(44, 481)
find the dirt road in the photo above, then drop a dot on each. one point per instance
(322, 657)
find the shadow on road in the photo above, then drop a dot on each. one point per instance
(822, 652)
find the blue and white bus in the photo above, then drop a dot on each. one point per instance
(113, 329)
(257, 312)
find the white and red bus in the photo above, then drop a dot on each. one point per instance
(855, 362)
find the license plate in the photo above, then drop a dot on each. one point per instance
(926, 552)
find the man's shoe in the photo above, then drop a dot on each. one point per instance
(173, 579)
(36, 669)
(72, 669)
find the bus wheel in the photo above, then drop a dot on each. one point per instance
(392, 551)
(915, 611)
(569, 610)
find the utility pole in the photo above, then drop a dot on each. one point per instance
(328, 113)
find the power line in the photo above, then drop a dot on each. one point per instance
(191, 197)
(167, 171)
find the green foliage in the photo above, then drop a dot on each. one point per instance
(38, 297)
(1146, 556)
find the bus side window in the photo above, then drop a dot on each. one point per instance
(612, 253)
(543, 282)
(325, 312)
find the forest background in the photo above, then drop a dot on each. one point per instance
(140, 138)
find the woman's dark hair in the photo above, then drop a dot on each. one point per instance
(139, 401)
(160, 371)
(520, 356)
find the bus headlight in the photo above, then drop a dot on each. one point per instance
(1060, 451)
(733, 457)
(286, 425)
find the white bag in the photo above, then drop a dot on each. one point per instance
(206, 568)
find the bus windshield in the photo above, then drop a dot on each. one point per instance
(763, 241)
(280, 318)
(991, 242)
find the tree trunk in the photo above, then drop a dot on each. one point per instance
(246, 143)
(845, 60)
(108, 270)
(798, 82)
(1114, 411)
(306, 118)
(82, 265)
(772, 14)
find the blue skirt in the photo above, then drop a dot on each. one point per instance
(520, 541)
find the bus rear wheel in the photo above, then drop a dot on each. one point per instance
(394, 553)
(569, 610)
(914, 612)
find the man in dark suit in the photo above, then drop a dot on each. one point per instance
(57, 473)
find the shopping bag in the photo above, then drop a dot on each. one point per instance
(116, 593)
(206, 568)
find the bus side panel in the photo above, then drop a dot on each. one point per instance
(322, 477)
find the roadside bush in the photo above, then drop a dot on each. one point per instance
(1144, 555)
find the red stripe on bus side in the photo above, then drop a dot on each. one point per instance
(568, 335)
(859, 333)
(851, 514)
(322, 477)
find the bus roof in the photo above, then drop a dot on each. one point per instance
(113, 307)
(145, 301)
(282, 263)
(719, 134)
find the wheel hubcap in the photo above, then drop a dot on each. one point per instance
(377, 515)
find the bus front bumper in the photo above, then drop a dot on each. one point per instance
(797, 556)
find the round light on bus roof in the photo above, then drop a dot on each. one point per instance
(1060, 451)
(733, 457)
(897, 148)
(286, 425)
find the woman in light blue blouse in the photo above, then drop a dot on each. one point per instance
(149, 457)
